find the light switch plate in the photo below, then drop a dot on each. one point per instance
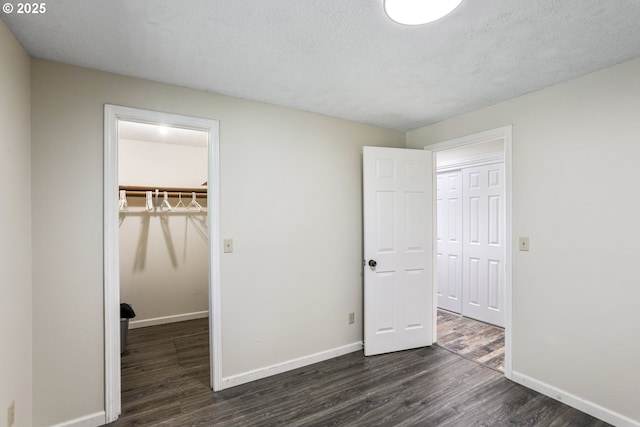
(523, 243)
(228, 246)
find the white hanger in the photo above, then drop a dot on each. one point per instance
(180, 202)
(165, 206)
(122, 203)
(149, 201)
(194, 206)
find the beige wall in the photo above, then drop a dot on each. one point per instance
(576, 148)
(290, 199)
(164, 268)
(162, 164)
(15, 231)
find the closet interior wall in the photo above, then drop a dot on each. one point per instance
(163, 253)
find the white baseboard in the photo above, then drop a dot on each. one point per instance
(289, 365)
(91, 420)
(574, 401)
(134, 324)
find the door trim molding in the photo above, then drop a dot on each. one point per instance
(113, 113)
(469, 162)
(504, 133)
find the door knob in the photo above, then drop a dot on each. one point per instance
(372, 263)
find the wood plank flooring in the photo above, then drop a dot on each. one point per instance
(165, 371)
(477, 341)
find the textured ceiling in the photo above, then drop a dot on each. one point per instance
(342, 58)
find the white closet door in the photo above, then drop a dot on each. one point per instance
(484, 233)
(449, 240)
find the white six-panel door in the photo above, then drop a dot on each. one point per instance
(449, 240)
(470, 242)
(398, 249)
(483, 271)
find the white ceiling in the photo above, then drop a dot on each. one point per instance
(342, 58)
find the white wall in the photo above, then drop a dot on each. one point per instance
(164, 265)
(161, 164)
(15, 231)
(576, 148)
(290, 199)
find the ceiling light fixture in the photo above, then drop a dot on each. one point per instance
(418, 12)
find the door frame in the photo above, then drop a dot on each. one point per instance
(504, 133)
(112, 114)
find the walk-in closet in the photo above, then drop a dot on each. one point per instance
(163, 258)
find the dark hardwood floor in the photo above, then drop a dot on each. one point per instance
(477, 341)
(165, 372)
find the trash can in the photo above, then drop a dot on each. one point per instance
(124, 332)
(126, 313)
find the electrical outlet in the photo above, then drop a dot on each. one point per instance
(352, 318)
(11, 414)
(228, 246)
(523, 243)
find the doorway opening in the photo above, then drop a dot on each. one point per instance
(473, 247)
(161, 252)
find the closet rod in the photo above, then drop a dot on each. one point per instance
(140, 191)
